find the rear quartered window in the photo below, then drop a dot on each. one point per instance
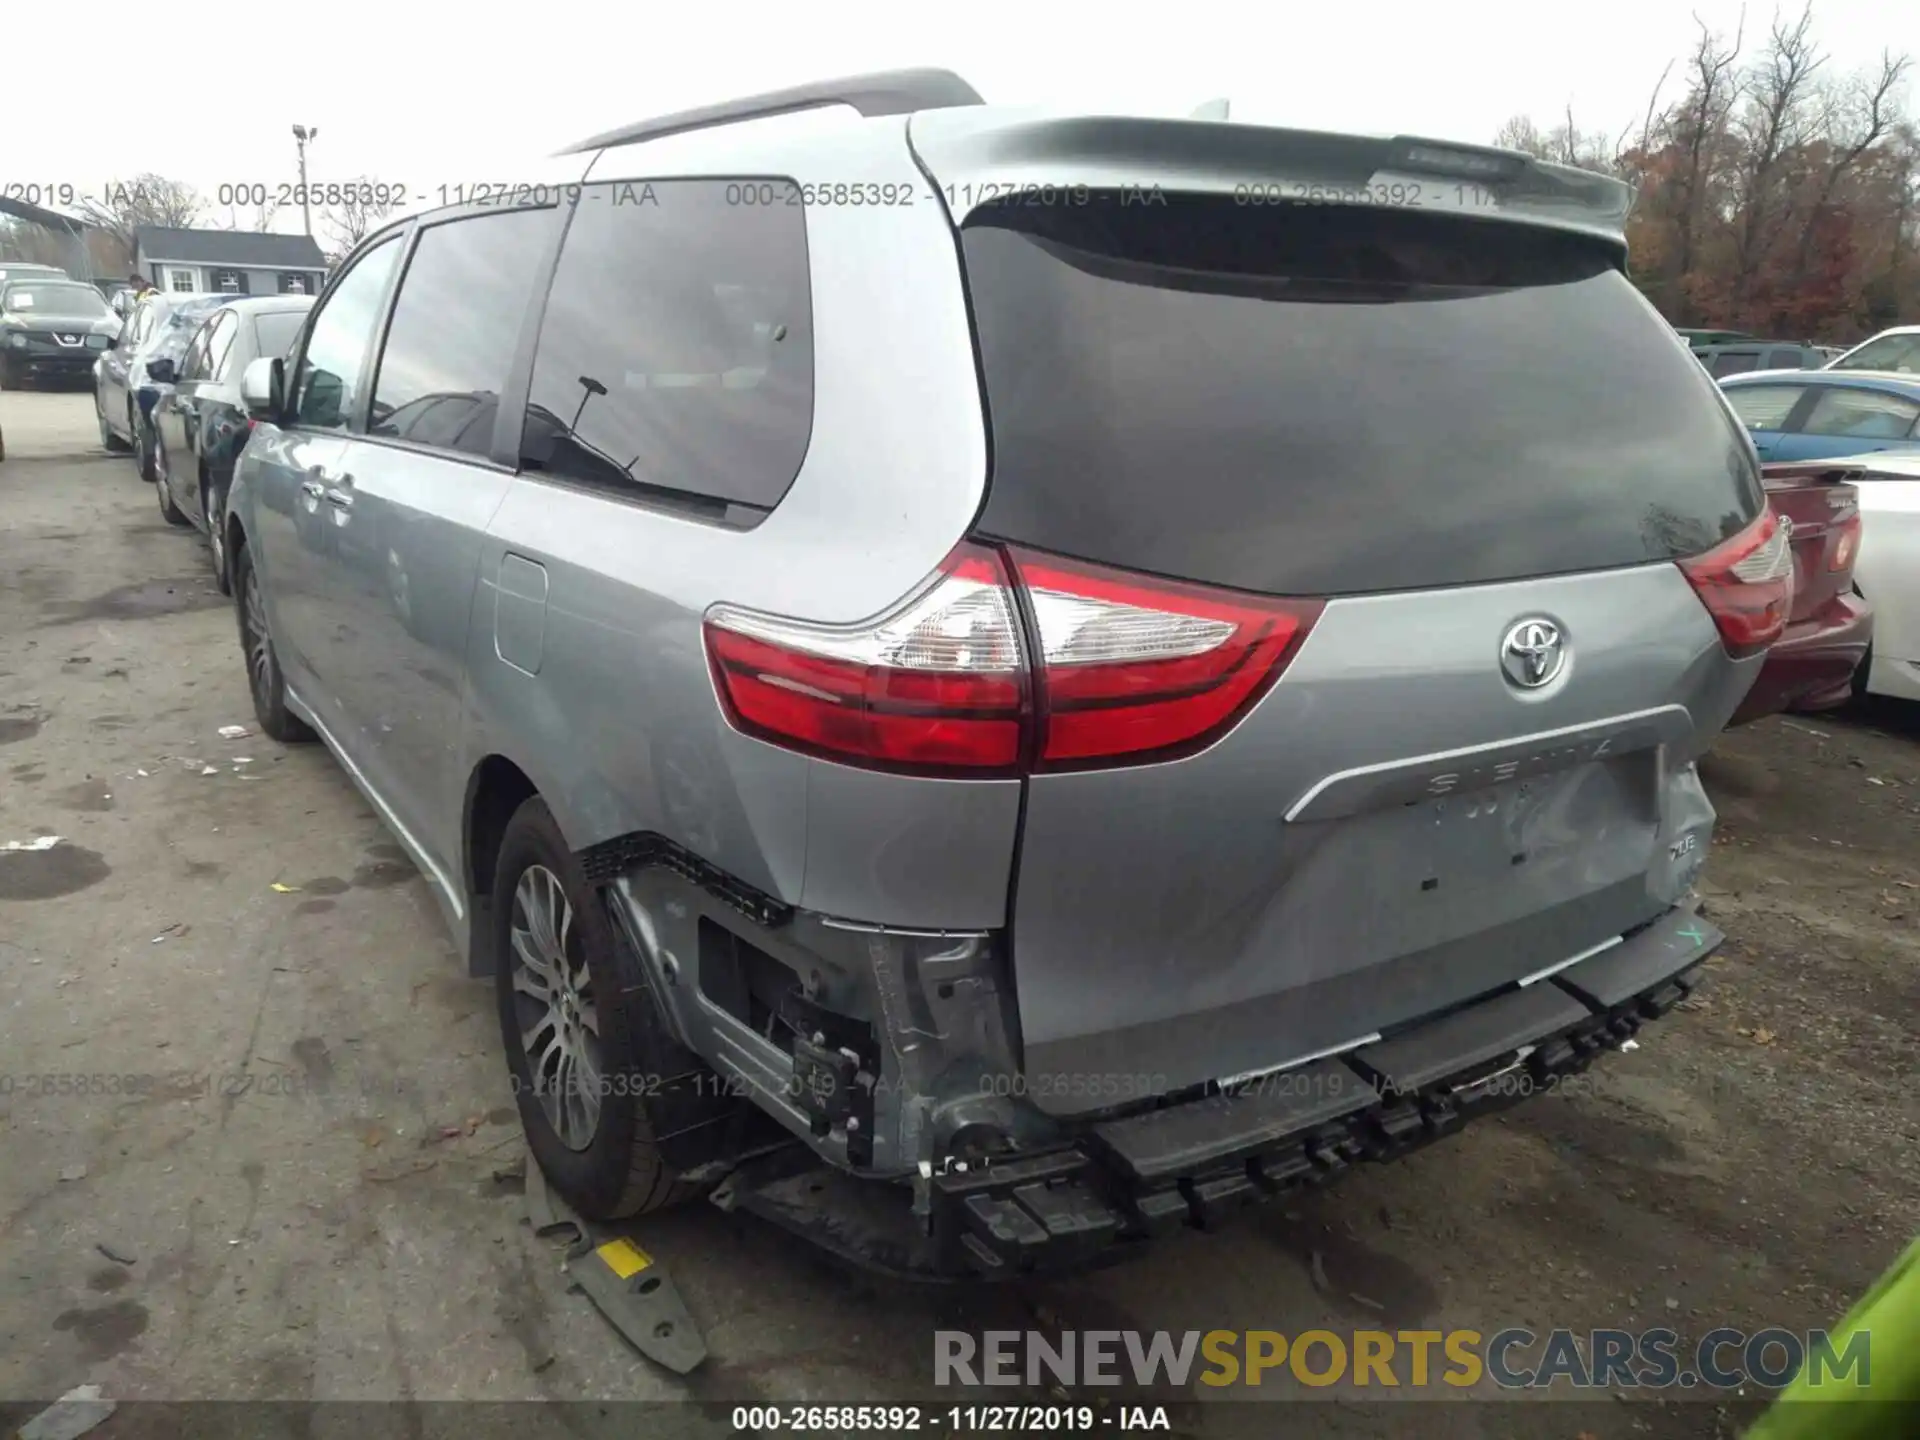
(1321, 400)
(676, 352)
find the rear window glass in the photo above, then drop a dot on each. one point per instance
(1326, 400)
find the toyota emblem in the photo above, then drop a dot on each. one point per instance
(1533, 653)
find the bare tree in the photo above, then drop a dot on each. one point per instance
(146, 199)
(1872, 112)
(1631, 142)
(1775, 122)
(359, 210)
(258, 218)
(1713, 90)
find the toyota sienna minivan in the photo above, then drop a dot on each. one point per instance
(990, 684)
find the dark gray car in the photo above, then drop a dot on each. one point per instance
(1006, 684)
(200, 424)
(51, 330)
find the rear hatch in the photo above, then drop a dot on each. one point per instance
(1438, 433)
(1822, 505)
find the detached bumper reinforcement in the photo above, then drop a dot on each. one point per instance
(1195, 1163)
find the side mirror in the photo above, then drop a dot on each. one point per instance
(160, 371)
(262, 388)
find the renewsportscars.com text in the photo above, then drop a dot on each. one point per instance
(1512, 1359)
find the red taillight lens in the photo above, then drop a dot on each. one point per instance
(1746, 584)
(1136, 667)
(937, 683)
(1846, 544)
(1115, 669)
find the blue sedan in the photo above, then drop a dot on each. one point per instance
(1825, 414)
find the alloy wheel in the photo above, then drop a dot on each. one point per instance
(259, 649)
(554, 1007)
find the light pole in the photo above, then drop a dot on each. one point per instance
(301, 135)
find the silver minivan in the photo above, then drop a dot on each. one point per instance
(988, 684)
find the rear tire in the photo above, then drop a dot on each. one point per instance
(169, 511)
(1864, 670)
(569, 988)
(213, 507)
(109, 441)
(143, 458)
(264, 680)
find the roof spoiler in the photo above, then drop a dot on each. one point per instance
(885, 92)
(977, 154)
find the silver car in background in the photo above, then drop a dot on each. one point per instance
(124, 395)
(1009, 684)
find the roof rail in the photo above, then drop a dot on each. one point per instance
(885, 92)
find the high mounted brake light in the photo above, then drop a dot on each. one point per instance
(1109, 668)
(1746, 583)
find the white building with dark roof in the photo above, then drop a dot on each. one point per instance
(233, 262)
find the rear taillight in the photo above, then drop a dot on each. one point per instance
(937, 683)
(1107, 668)
(1746, 584)
(1846, 544)
(1133, 667)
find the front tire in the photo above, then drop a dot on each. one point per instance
(570, 992)
(264, 679)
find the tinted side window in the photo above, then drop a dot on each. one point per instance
(331, 369)
(1732, 362)
(1786, 358)
(1764, 407)
(462, 301)
(1861, 414)
(676, 352)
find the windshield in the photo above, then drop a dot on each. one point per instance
(70, 300)
(1887, 352)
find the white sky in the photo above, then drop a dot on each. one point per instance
(439, 93)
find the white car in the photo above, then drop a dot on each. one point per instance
(1896, 351)
(1887, 570)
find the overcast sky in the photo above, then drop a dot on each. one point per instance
(430, 94)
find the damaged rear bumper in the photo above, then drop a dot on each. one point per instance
(1191, 1163)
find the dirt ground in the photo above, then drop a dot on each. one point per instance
(307, 1203)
